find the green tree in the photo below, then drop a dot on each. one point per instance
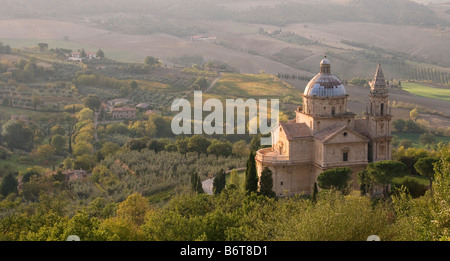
(83, 53)
(84, 162)
(425, 167)
(414, 114)
(86, 114)
(399, 125)
(196, 184)
(109, 148)
(315, 192)
(251, 177)
(405, 143)
(266, 183)
(82, 147)
(42, 47)
(414, 188)
(199, 144)
(364, 181)
(156, 145)
(220, 148)
(337, 178)
(152, 61)
(9, 184)
(255, 143)
(58, 142)
(240, 149)
(234, 178)
(137, 144)
(200, 83)
(182, 145)
(46, 151)
(17, 135)
(134, 208)
(412, 126)
(68, 163)
(382, 172)
(92, 102)
(57, 130)
(134, 85)
(100, 54)
(219, 182)
(36, 101)
(427, 139)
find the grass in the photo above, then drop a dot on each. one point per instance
(420, 179)
(427, 91)
(257, 86)
(414, 138)
(14, 162)
(7, 111)
(241, 175)
(118, 55)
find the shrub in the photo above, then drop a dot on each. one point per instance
(413, 187)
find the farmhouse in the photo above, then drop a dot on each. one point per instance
(143, 106)
(120, 101)
(76, 56)
(123, 113)
(325, 135)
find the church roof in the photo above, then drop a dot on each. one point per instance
(295, 130)
(379, 77)
(331, 131)
(328, 132)
(378, 85)
(325, 84)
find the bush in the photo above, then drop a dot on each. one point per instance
(413, 187)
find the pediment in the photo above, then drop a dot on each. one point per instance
(340, 134)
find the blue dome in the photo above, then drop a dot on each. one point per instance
(325, 84)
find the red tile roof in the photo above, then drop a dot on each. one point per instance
(295, 130)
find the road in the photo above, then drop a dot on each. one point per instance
(213, 83)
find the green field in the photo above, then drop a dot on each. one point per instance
(256, 86)
(414, 138)
(427, 91)
(114, 54)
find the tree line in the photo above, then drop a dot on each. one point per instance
(236, 215)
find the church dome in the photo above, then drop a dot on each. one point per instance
(325, 84)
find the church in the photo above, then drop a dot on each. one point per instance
(325, 135)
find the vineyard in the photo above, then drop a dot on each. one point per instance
(47, 97)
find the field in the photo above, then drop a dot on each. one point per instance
(427, 91)
(414, 138)
(258, 86)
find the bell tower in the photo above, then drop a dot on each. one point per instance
(378, 115)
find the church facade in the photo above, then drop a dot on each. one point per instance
(325, 135)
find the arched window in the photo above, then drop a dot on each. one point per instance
(333, 111)
(382, 109)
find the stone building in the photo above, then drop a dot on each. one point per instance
(325, 135)
(123, 113)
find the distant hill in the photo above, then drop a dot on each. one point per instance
(274, 12)
(397, 12)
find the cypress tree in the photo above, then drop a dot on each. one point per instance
(266, 183)
(251, 178)
(70, 144)
(315, 192)
(219, 182)
(9, 184)
(196, 184)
